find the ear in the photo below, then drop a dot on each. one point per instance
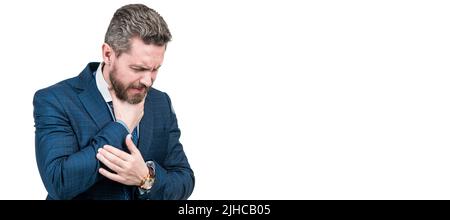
(107, 53)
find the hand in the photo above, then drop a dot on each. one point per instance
(130, 168)
(130, 114)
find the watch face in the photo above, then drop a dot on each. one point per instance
(151, 181)
(148, 183)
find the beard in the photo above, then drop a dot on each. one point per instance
(121, 89)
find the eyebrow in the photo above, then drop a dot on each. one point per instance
(145, 68)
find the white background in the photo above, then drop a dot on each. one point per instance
(275, 99)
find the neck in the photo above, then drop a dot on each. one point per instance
(106, 70)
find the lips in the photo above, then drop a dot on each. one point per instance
(139, 90)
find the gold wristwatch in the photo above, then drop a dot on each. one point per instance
(149, 179)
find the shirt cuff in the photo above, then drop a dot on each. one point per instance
(125, 125)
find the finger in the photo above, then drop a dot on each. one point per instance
(112, 176)
(130, 144)
(145, 96)
(113, 94)
(111, 157)
(142, 103)
(108, 163)
(143, 100)
(110, 88)
(117, 152)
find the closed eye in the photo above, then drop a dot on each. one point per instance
(141, 69)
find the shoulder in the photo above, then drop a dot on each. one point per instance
(57, 90)
(157, 95)
(159, 101)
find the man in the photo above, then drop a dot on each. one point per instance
(107, 134)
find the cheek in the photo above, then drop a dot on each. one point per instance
(126, 76)
(154, 74)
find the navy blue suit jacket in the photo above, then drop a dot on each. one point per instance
(72, 122)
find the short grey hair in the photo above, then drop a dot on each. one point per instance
(136, 20)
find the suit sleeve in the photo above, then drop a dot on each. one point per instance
(66, 168)
(174, 176)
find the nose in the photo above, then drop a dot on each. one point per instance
(147, 79)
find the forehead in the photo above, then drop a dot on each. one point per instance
(144, 54)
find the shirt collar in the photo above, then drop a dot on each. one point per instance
(102, 85)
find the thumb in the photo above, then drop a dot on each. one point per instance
(130, 144)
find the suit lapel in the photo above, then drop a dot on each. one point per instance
(92, 100)
(146, 125)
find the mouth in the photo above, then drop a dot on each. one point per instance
(137, 90)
